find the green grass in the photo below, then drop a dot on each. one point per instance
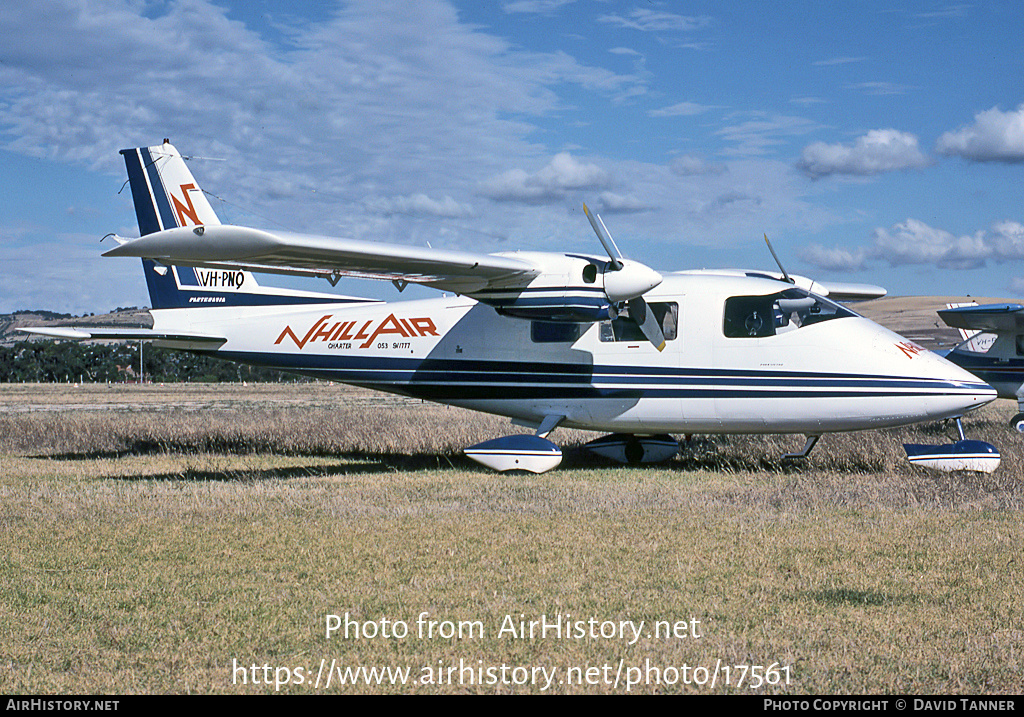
(230, 536)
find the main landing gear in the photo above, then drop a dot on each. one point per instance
(1017, 423)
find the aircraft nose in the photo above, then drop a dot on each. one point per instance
(940, 389)
(964, 389)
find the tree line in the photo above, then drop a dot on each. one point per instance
(72, 361)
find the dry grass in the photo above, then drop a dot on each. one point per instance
(157, 534)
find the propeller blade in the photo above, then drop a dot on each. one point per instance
(785, 274)
(606, 239)
(647, 321)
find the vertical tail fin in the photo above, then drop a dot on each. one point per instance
(167, 196)
(165, 193)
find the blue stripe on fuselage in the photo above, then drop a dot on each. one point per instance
(443, 379)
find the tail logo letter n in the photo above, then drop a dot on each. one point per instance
(186, 211)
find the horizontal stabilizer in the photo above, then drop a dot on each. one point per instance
(174, 339)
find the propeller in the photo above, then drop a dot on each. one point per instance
(606, 239)
(627, 281)
(641, 313)
(785, 275)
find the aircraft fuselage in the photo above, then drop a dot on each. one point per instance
(741, 356)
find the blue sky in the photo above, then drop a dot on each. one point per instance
(878, 142)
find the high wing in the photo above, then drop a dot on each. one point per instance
(179, 228)
(218, 246)
(844, 292)
(987, 317)
(837, 291)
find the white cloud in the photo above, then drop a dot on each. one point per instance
(1007, 240)
(995, 136)
(682, 109)
(835, 258)
(880, 88)
(838, 61)
(656, 21)
(758, 135)
(914, 242)
(551, 184)
(880, 150)
(950, 11)
(420, 205)
(542, 7)
(28, 281)
(690, 165)
(623, 204)
(808, 101)
(378, 100)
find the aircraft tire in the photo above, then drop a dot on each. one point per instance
(634, 451)
(1017, 423)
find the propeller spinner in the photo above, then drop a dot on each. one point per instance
(627, 281)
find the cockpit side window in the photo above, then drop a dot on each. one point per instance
(749, 316)
(761, 316)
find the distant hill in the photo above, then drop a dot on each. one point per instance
(915, 317)
(124, 317)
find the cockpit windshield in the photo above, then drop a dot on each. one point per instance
(789, 310)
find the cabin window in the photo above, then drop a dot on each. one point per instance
(789, 310)
(548, 332)
(624, 328)
(1020, 344)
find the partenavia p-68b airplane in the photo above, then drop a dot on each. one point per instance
(547, 339)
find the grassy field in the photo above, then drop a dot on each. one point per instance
(199, 538)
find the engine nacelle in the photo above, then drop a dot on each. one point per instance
(571, 289)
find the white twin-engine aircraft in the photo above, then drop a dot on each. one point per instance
(547, 339)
